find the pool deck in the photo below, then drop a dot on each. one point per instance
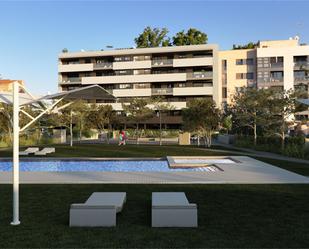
(247, 171)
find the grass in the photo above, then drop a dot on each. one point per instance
(229, 216)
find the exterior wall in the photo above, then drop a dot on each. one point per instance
(75, 68)
(7, 85)
(232, 69)
(288, 54)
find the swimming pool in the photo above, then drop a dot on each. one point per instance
(104, 165)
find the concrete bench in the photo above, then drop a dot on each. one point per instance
(98, 211)
(172, 209)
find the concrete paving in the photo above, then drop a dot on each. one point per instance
(247, 171)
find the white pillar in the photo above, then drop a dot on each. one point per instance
(15, 154)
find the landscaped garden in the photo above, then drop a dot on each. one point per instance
(260, 216)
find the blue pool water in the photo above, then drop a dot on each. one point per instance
(108, 166)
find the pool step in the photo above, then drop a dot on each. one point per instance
(208, 169)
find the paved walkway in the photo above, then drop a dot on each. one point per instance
(250, 152)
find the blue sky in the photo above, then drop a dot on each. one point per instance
(32, 33)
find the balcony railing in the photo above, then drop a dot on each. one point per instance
(162, 91)
(103, 65)
(164, 62)
(72, 80)
(303, 78)
(276, 65)
(301, 64)
(199, 75)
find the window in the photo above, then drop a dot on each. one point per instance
(276, 74)
(249, 61)
(125, 86)
(224, 92)
(240, 76)
(224, 65)
(250, 76)
(239, 62)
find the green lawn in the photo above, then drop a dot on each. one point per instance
(229, 216)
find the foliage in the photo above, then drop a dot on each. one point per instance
(152, 37)
(65, 50)
(249, 45)
(191, 37)
(250, 108)
(156, 37)
(137, 111)
(202, 116)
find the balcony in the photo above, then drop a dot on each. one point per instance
(199, 75)
(162, 63)
(276, 65)
(103, 65)
(162, 91)
(301, 79)
(73, 80)
(301, 65)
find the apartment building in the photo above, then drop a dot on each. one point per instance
(282, 64)
(238, 69)
(177, 74)
(6, 85)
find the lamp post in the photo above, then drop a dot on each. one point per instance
(15, 154)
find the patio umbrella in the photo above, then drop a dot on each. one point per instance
(18, 100)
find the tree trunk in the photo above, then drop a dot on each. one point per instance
(137, 135)
(255, 134)
(160, 128)
(282, 141)
(198, 140)
(71, 129)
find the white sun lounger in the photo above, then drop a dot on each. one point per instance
(98, 211)
(45, 151)
(28, 151)
(172, 209)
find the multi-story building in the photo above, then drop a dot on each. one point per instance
(282, 64)
(6, 85)
(238, 69)
(177, 74)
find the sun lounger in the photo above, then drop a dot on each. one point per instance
(98, 211)
(172, 209)
(28, 151)
(45, 151)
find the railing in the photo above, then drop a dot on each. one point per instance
(303, 78)
(72, 80)
(276, 65)
(103, 65)
(304, 64)
(161, 91)
(199, 75)
(164, 62)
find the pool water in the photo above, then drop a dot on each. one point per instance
(108, 166)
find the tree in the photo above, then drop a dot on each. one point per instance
(282, 109)
(65, 50)
(161, 108)
(202, 116)
(249, 45)
(74, 113)
(137, 111)
(6, 123)
(250, 108)
(191, 37)
(227, 123)
(152, 37)
(101, 116)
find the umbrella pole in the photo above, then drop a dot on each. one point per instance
(15, 154)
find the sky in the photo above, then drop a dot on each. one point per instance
(33, 33)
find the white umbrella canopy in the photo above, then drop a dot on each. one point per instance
(87, 93)
(18, 99)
